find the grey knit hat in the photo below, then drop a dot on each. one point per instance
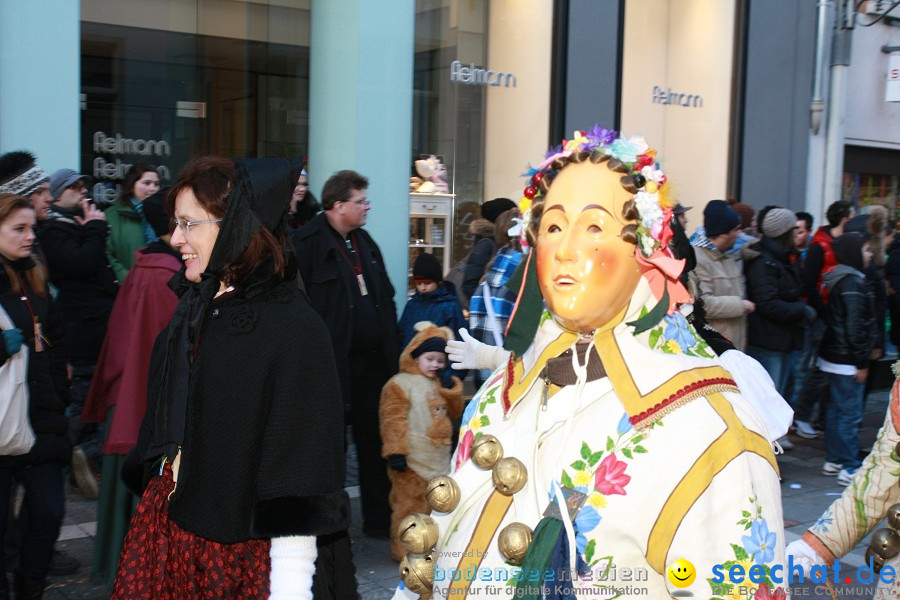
(777, 222)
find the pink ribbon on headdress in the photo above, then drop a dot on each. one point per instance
(549, 160)
(661, 270)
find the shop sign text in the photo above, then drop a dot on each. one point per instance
(472, 75)
(669, 98)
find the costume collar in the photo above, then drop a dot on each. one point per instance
(649, 381)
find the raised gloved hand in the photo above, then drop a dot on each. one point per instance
(803, 555)
(469, 353)
(397, 462)
(12, 340)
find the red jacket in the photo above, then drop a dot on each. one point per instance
(823, 238)
(143, 308)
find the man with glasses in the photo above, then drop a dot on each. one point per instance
(348, 286)
(73, 238)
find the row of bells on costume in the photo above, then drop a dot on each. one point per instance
(419, 532)
(885, 543)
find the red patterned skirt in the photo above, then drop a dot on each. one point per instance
(162, 561)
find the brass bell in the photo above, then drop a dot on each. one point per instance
(509, 475)
(417, 572)
(877, 561)
(893, 516)
(486, 451)
(418, 533)
(442, 493)
(513, 542)
(886, 543)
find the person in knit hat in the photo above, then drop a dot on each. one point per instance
(775, 328)
(415, 415)
(434, 299)
(21, 176)
(718, 279)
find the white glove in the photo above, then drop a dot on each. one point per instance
(293, 561)
(469, 353)
(803, 555)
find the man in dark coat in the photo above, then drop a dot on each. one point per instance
(347, 283)
(73, 238)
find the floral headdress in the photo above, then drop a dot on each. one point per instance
(654, 204)
(653, 200)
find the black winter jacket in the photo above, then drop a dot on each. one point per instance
(851, 331)
(773, 284)
(330, 294)
(892, 275)
(48, 387)
(76, 258)
(263, 451)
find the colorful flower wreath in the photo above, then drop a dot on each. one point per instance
(653, 200)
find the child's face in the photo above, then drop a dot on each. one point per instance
(867, 254)
(425, 287)
(430, 363)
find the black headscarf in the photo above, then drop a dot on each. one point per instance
(258, 199)
(848, 250)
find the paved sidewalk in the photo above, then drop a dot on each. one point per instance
(805, 492)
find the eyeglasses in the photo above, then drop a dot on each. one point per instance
(362, 202)
(185, 226)
(78, 186)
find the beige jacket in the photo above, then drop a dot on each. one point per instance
(718, 280)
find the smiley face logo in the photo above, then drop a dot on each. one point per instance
(681, 573)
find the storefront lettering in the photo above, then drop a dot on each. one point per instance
(668, 97)
(472, 75)
(116, 170)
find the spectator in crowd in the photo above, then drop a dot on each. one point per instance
(347, 283)
(680, 245)
(775, 327)
(803, 234)
(819, 259)
(303, 205)
(845, 351)
(73, 238)
(485, 245)
(489, 325)
(20, 175)
(414, 415)
(243, 411)
(717, 278)
(892, 275)
(129, 230)
(745, 236)
(118, 397)
(434, 299)
(680, 215)
(26, 301)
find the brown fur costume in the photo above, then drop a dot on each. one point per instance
(414, 416)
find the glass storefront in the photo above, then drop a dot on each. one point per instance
(164, 95)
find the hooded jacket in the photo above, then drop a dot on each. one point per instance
(439, 307)
(406, 414)
(851, 331)
(482, 252)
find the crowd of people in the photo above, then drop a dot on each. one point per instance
(216, 472)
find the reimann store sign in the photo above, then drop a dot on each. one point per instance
(472, 75)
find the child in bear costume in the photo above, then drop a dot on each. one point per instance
(414, 415)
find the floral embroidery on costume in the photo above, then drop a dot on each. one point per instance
(757, 548)
(675, 335)
(600, 477)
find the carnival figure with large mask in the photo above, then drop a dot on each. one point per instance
(613, 442)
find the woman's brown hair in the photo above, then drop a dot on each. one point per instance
(37, 277)
(629, 210)
(131, 178)
(212, 179)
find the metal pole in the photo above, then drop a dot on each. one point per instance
(834, 138)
